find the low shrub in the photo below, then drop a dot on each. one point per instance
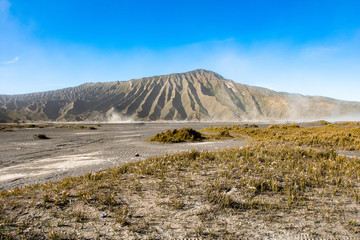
(41, 136)
(186, 134)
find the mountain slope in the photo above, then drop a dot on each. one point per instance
(194, 95)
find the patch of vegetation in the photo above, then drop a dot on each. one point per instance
(77, 127)
(338, 136)
(225, 134)
(250, 125)
(9, 116)
(320, 122)
(11, 126)
(40, 136)
(186, 134)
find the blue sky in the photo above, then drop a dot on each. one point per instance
(308, 47)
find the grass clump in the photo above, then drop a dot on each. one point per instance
(319, 123)
(186, 134)
(225, 134)
(40, 136)
(77, 127)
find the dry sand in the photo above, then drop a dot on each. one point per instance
(25, 160)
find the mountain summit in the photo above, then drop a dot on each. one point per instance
(194, 95)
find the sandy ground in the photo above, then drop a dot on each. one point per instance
(25, 160)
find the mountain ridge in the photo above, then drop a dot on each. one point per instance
(195, 95)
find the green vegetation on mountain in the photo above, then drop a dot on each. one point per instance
(8, 116)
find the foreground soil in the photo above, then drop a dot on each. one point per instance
(290, 182)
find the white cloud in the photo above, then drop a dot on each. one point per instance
(314, 52)
(11, 61)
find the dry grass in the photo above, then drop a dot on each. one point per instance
(341, 136)
(40, 136)
(11, 127)
(186, 134)
(275, 188)
(77, 127)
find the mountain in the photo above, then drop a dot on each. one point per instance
(194, 95)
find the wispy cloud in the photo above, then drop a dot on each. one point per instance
(4, 9)
(11, 61)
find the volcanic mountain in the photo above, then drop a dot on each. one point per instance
(195, 95)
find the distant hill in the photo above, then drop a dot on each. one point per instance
(194, 95)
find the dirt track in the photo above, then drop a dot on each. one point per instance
(25, 160)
